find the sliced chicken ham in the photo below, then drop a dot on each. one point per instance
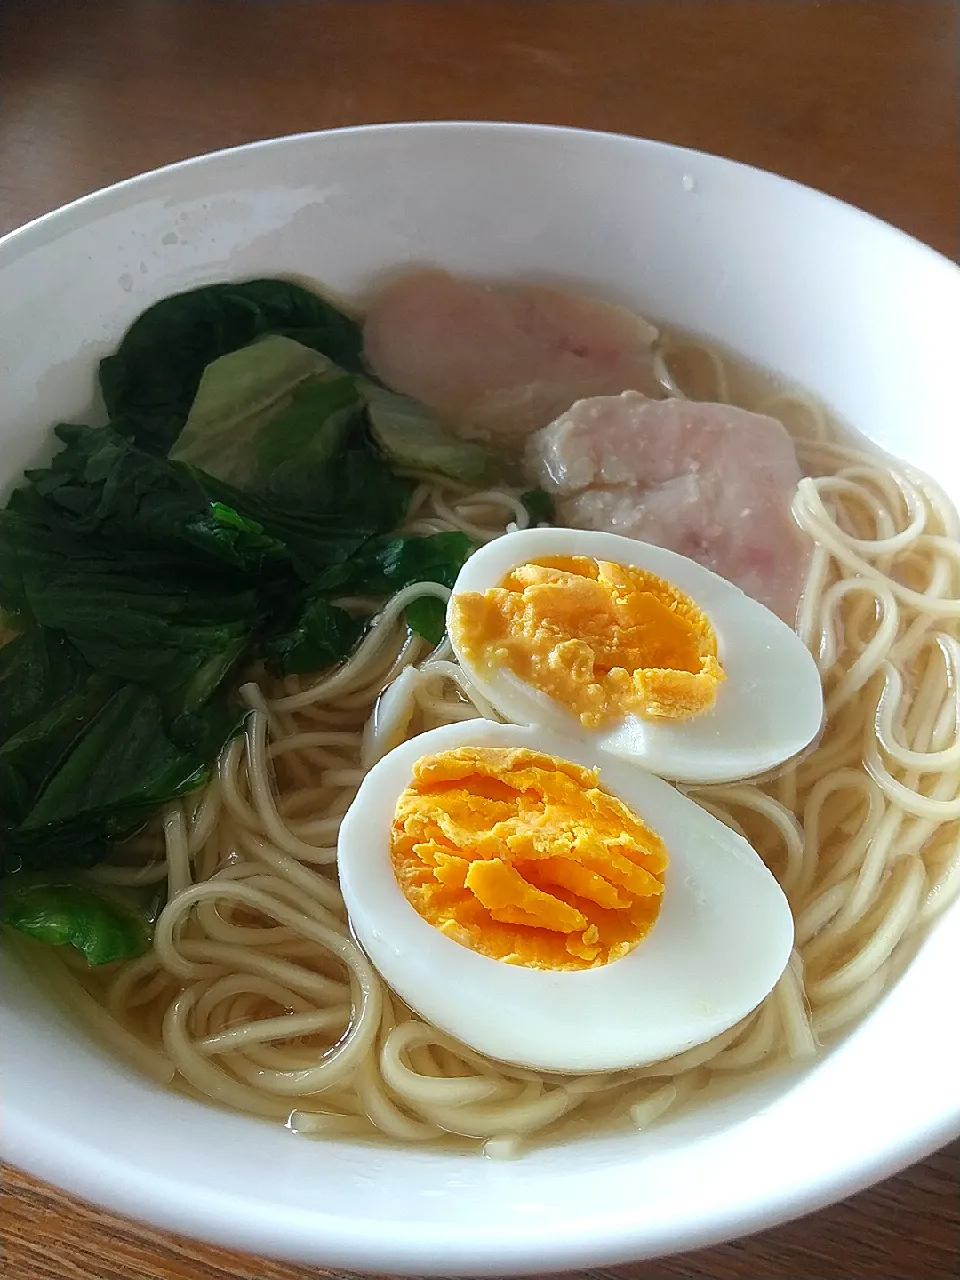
(497, 362)
(710, 481)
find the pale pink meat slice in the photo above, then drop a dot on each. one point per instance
(499, 361)
(710, 481)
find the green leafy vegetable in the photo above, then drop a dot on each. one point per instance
(101, 484)
(321, 634)
(247, 482)
(356, 498)
(390, 564)
(114, 698)
(150, 383)
(280, 404)
(131, 617)
(539, 506)
(270, 417)
(28, 759)
(72, 915)
(130, 504)
(427, 616)
(123, 767)
(95, 767)
(36, 669)
(411, 437)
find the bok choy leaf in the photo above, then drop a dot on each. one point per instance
(271, 418)
(150, 383)
(251, 477)
(100, 928)
(412, 438)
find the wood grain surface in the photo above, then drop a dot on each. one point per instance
(857, 98)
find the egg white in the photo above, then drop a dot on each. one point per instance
(769, 707)
(719, 945)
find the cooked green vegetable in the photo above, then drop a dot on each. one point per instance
(101, 484)
(150, 384)
(390, 564)
(270, 418)
(427, 616)
(243, 486)
(411, 436)
(320, 635)
(356, 498)
(37, 668)
(94, 765)
(322, 632)
(115, 699)
(155, 621)
(128, 650)
(28, 760)
(100, 928)
(130, 760)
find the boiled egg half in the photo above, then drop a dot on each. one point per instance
(639, 651)
(550, 913)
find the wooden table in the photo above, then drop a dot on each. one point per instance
(855, 97)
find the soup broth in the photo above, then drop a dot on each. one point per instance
(254, 994)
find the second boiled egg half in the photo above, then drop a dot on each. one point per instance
(636, 650)
(552, 913)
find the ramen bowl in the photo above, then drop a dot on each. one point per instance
(808, 288)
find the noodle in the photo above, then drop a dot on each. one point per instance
(256, 995)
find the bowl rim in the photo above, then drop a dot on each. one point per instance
(36, 231)
(232, 1221)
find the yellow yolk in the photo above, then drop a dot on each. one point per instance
(604, 640)
(525, 858)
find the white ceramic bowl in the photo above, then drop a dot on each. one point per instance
(841, 303)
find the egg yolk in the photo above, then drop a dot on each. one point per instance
(525, 858)
(604, 640)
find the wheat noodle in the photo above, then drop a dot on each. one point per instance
(257, 996)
